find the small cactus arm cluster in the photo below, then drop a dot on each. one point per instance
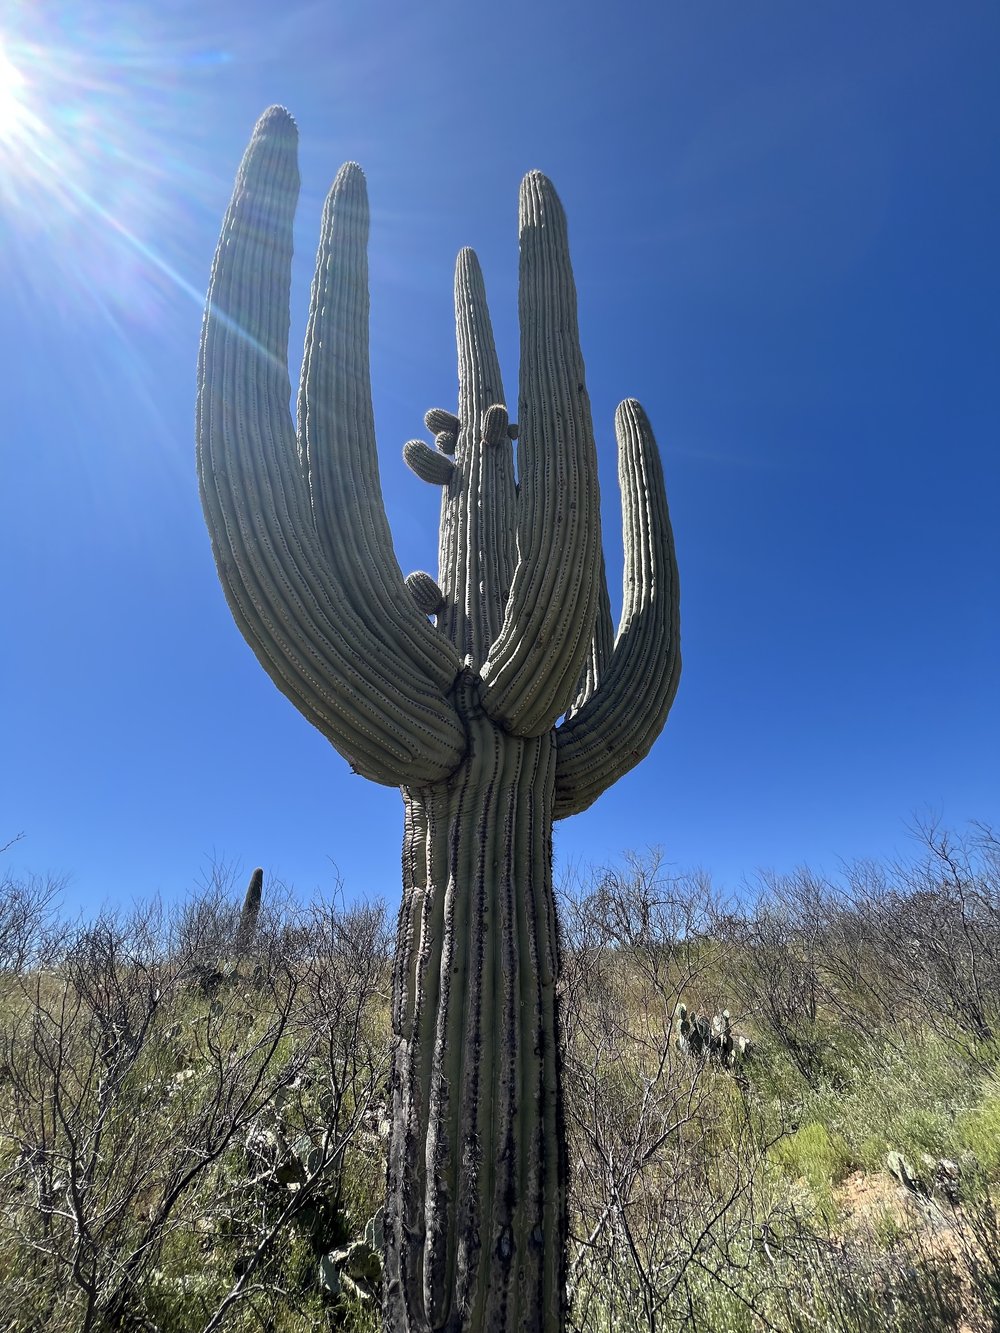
(518, 704)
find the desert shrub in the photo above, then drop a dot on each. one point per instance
(978, 1130)
(907, 1101)
(663, 1146)
(192, 1135)
(28, 925)
(934, 927)
(856, 1287)
(181, 1129)
(816, 1156)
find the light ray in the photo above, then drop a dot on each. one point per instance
(58, 154)
(12, 85)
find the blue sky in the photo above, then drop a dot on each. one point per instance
(783, 221)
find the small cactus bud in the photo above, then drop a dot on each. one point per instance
(446, 441)
(427, 463)
(495, 424)
(438, 420)
(426, 593)
(512, 431)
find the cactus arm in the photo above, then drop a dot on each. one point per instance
(601, 645)
(617, 725)
(430, 465)
(337, 439)
(535, 663)
(478, 508)
(386, 715)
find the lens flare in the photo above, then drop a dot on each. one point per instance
(103, 158)
(12, 83)
(15, 114)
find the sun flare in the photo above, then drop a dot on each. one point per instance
(13, 110)
(94, 138)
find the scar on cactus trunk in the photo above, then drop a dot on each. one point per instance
(517, 706)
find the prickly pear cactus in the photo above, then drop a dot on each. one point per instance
(518, 706)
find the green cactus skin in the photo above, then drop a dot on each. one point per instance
(462, 714)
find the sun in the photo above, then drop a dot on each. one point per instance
(92, 157)
(13, 109)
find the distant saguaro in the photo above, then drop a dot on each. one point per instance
(247, 928)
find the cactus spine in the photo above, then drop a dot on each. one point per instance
(462, 714)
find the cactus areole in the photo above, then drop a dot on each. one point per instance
(516, 705)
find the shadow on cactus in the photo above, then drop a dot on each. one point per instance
(462, 713)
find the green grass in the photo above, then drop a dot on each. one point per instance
(978, 1129)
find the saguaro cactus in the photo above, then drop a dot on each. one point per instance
(517, 707)
(246, 927)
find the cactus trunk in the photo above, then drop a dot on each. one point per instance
(475, 1226)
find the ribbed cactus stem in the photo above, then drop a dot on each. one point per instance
(617, 721)
(535, 662)
(476, 1216)
(476, 543)
(338, 634)
(465, 715)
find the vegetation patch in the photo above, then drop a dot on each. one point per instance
(195, 1110)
